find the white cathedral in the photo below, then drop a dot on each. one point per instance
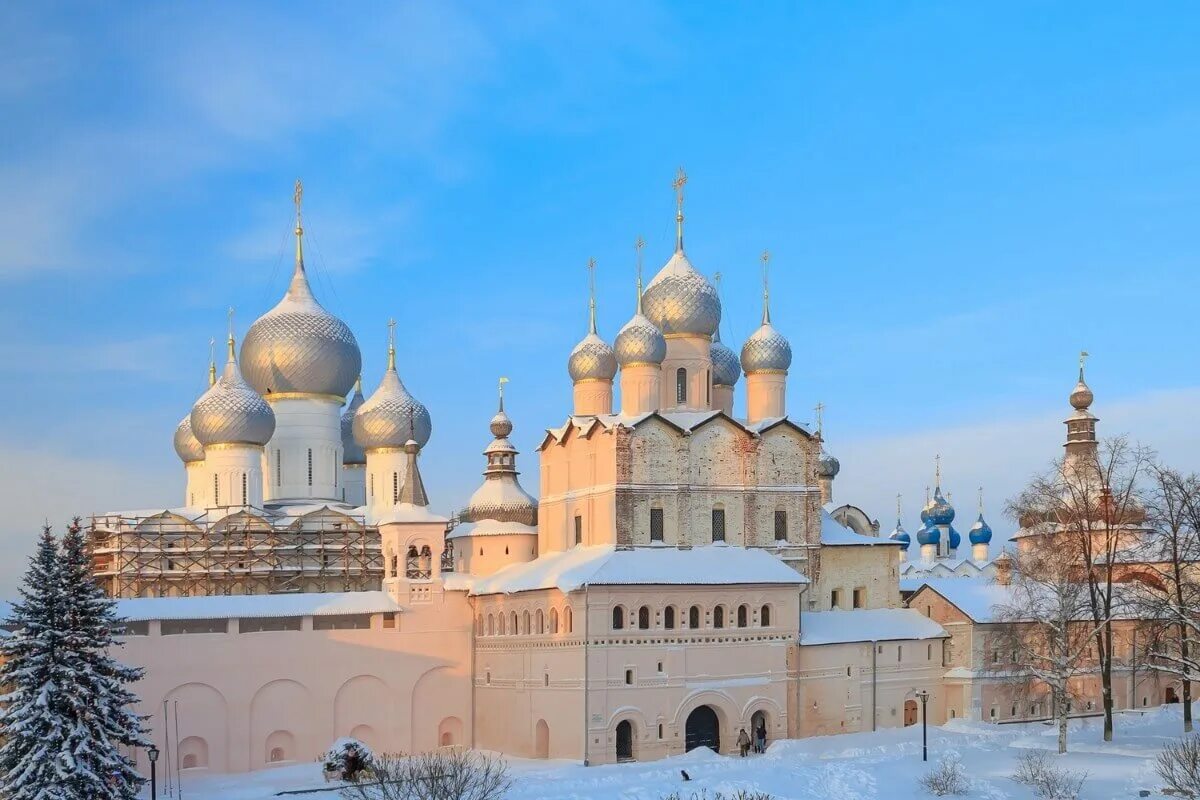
(679, 577)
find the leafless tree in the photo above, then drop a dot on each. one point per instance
(441, 775)
(1171, 582)
(1088, 507)
(1047, 624)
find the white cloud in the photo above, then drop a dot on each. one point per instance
(1000, 455)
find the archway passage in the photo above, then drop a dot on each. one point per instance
(625, 741)
(703, 729)
(541, 739)
(758, 722)
(1171, 695)
(910, 712)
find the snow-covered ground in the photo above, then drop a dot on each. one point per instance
(886, 764)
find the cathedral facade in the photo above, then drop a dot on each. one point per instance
(679, 577)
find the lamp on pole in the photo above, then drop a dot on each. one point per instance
(152, 754)
(924, 697)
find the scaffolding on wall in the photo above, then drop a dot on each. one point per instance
(234, 552)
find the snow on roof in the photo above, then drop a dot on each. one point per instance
(978, 598)
(491, 527)
(601, 565)
(836, 534)
(407, 512)
(867, 625)
(314, 604)
(686, 421)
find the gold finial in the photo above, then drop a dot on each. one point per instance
(230, 339)
(981, 501)
(819, 408)
(678, 184)
(212, 361)
(591, 266)
(937, 470)
(638, 245)
(766, 261)
(897, 509)
(298, 198)
(392, 345)
(500, 385)
(1083, 356)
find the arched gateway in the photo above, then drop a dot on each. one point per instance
(703, 729)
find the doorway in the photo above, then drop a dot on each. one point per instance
(911, 716)
(625, 741)
(703, 729)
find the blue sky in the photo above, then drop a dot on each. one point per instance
(958, 198)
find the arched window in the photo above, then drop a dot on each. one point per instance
(669, 618)
(491, 625)
(719, 617)
(216, 491)
(554, 620)
(643, 618)
(681, 386)
(718, 523)
(570, 619)
(479, 625)
(426, 562)
(395, 487)
(513, 626)
(541, 622)
(412, 563)
(618, 618)
(764, 616)
(743, 614)
(694, 617)
(780, 525)
(525, 624)
(310, 466)
(500, 625)
(245, 491)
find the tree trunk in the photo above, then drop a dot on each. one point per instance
(1061, 712)
(1106, 681)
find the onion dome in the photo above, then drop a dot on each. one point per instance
(1081, 396)
(940, 510)
(639, 342)
(298, 346)
(953, 538)
(679, 300)
(187, 446)
(726, 368)
(352, 452)
(766, 350)
(391, 416)
(231, 412)
(900, 535)
(980, 532)
(828, 466)
(929, 535)
(501, 497)
(592, 359)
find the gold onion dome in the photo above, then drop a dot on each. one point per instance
(391, 417)
(231, 412)
(298, 346)
(352, 452)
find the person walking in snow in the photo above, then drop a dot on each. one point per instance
(743, 742)
(760, 738)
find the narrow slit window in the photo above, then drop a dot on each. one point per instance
(310, 466)
(245, 490)
(681, 386)
(780, 525)
(656, 524)
(718, 524)
(578, 529)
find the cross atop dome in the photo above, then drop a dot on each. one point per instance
(678, 184)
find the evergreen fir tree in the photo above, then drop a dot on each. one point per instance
(99, 700)
(35, 720)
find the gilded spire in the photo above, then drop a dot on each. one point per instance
(391, 345)
(591, 266)
(766, 261)
(298, 198)
(212, 361)
(638, 245)
(678, 184)
(229, 341)
(500, 386)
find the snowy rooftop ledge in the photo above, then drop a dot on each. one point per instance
(312, 604)
(606, 565)
(867, 625)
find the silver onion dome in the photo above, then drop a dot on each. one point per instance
(298, 346)
(187, 446)
(726, 369)
(828, 466)
(639, 342)
(231, 412)
(352, 452)
(391, 416)
(679, 300)
(766, 351)
(592, 359)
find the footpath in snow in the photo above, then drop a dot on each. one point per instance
(886, 764)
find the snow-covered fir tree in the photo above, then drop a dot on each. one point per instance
(35, 720)
(69, 708)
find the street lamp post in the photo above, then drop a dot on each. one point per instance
(152, 754)
(924, 696)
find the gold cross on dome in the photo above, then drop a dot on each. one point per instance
(298, 196)
(678, 184)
